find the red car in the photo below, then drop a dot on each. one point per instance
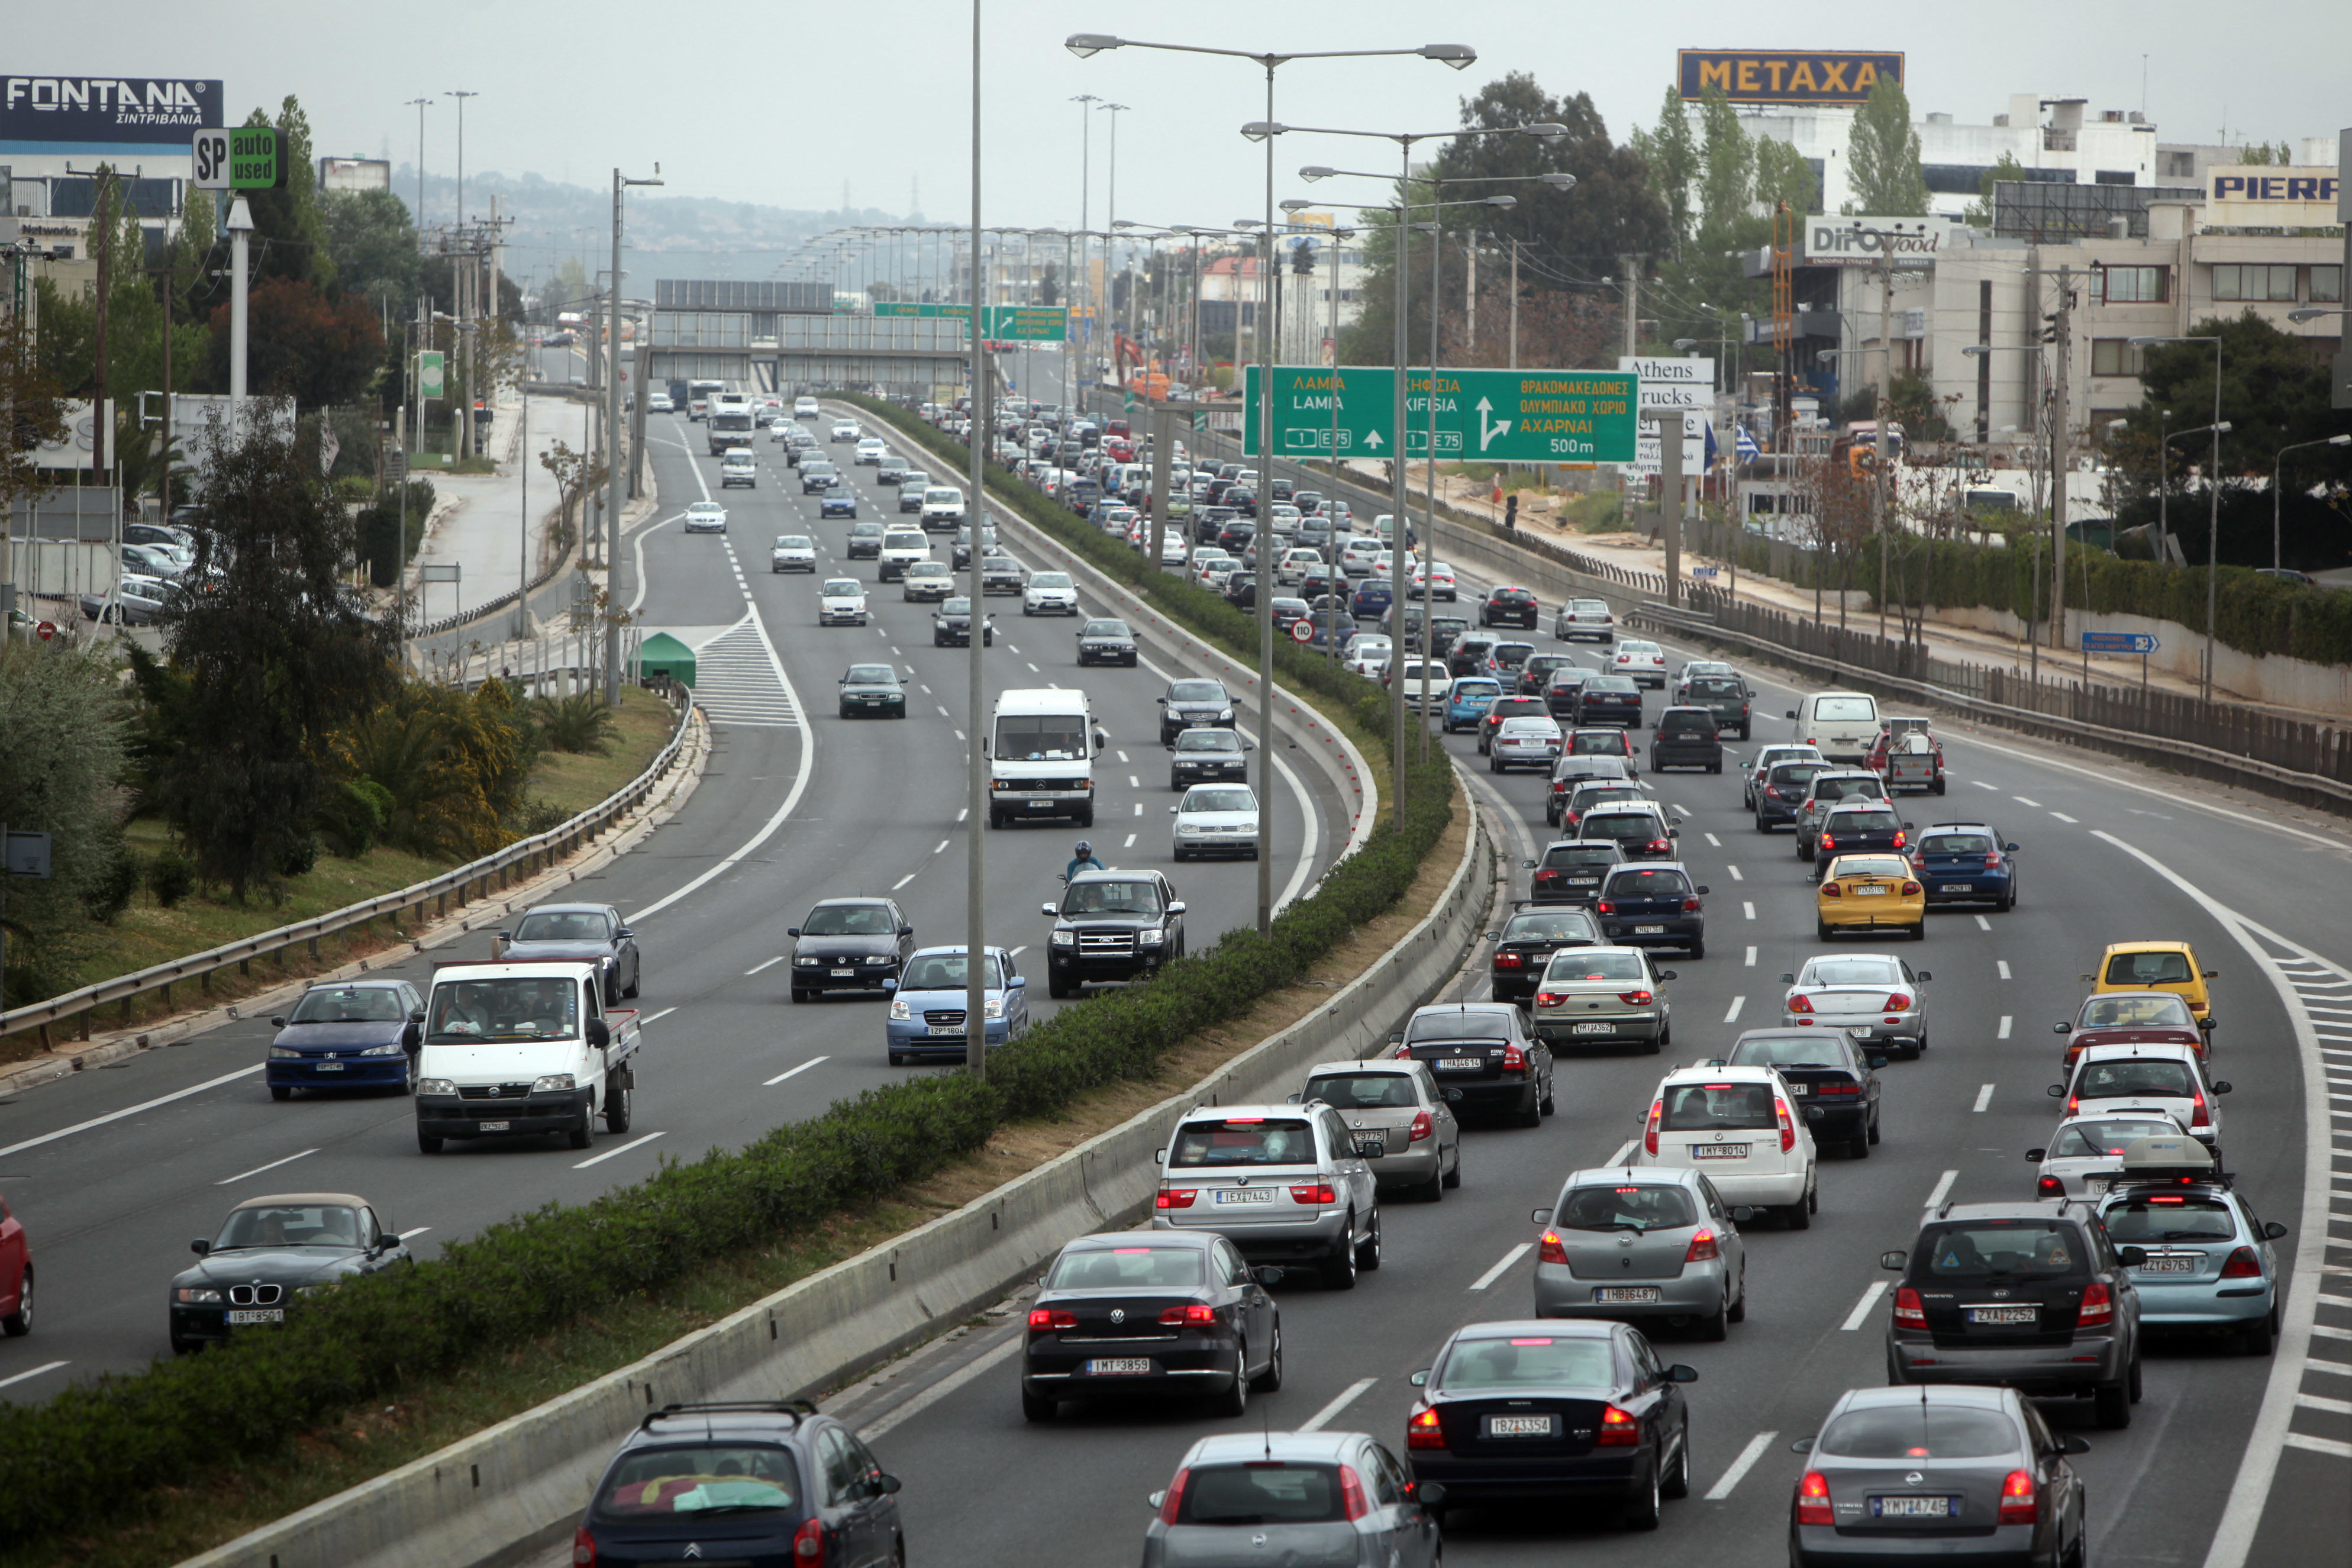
(15, 1276)
(2132, 1018)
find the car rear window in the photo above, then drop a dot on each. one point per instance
(1597, 744)
(1967, 1251)
(1611, 683)
(1251, 1140)
(1528, 1359)
(2126, 1011)
(1458, 1024)
(2133, 1076)
(1364, 1090)
(1718, 1108)
(1846, 711)
(1125, 1268)
(1847, 788)
(1261, 1491)
(1956, 844)
(2104, 1139)
(1648, 884)
(1688, 721)
(662, 1483)
(1622, 825)
(1561, 856)
(1565, 925)
(1578, 965)
(1794, 773)
(1865, 822)
(2170, 1217)
(1809, 1048)
(2149, 969)
(1714, 686)
(1920, 1431)
(1625, 1209)
(1872, 866)
(1851, 972)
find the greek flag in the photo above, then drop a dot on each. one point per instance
(1748, 447)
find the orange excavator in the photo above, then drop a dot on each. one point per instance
(1145, 377)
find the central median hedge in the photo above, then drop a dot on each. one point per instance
(86, 1461)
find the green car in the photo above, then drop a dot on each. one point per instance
(872, 691)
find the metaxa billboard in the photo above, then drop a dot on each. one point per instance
(66, 111)
(1832, 78)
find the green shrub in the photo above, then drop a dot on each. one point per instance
(301, 857)
(170, 878)
(579, 723)
(112, 893)
(355, 816)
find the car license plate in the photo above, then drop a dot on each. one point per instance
(327, 1067)
(1461, 1064)
(1870, 892)
(1954, 888)
(1593, 1030)
(1627, 1293)
(1039, 804)
(957, 1029)
(1371, 1143)
(2184, 1263)
(1584, 881)
(2095, 1185)
(842, 973)
(1246, 1196)
(493, 1126)
(1939, 1507)
(2025, 1314)
(1118, 1366)
(1799, 1089)
(1649, 931)
(1720, 1150)
(1519, 1426)
(257, 1315)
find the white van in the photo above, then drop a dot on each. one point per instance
(736, 468)
(1040, 747)
(1843, 725)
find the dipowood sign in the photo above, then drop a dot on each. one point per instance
(60, 113)
(1861, 241)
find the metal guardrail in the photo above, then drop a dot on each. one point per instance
(525, 856)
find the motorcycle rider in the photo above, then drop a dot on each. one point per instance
(1083, 861)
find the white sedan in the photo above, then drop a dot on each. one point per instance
(1293, 564)
(870, 451)
(1528, 740)
(706, 516)
(1436, 578)
(1216, 819)
(1645, 661)
(1172, 549)
(1211, 565)
(1050, 593)
(841, 603)
(1367, 654)
(781, 431)
(1357, 556)
(792, 552)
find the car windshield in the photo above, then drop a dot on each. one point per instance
(1584, 965)
(1718, 1108)
(958, 606)
(1125, 1268)
(292, 1225)
(1364, 1090)
(2170, 1217)
(1619, 825)
(937, 493)
(1872, 866)
(1649, 884)
(947, 972)
(866, 530)
(849, 920)
(349, 1004)
(927, 569)
(843, 588)
(573, 926)
(1565, 925)
(1244, 1141)
(2149, 969)
(1111, 898)
(2127, 1011)
(1561, 856)
(1220, 800)
(1916, 1429)
(1635, 1208)
(1041, 737)
(1851, 972)
(1846, 710)
(510, 1008)
(1208, 741)
(872, 675)
(1105, 629)
(1956, 844)
(2106, 1138)
(1965, 1251)
(1806, 1049)
(793, 542)
(661, 1482)
(1263, 1491)
(2133, 1077)
(1050, 580)
(1195, 691)
(1527, 1359)
(1458, 1024)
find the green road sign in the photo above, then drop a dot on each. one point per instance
(1482, 415)
(911, 308)
(238, 158)
(428, 373)
(1027, 323)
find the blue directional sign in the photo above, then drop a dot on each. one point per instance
(2119, 642)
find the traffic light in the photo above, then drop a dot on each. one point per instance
(1511, 510)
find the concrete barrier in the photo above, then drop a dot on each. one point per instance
(514, 1489)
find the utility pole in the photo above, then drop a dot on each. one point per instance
(1470, 299)
(613, 448)
(2062, 329)
(1515, 304)
(100, 424)
(1630, 266)
(240, 234)
(1885, 412)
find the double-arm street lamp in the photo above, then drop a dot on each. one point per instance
(2214, 495)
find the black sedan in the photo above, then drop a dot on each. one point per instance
(1106, 642)
(1859, 827)
(271, 1252)
(1189, 702)
(865, 542)
(1208, 756)
(872, 691)
(1509, 608)
(1547, 1410)
(1151, 1314)
(356, 1035)
(952, 625)
(1836, 1083)
(911, 485)
(849, 944)
(1610, 700)
(818, 475)
(595, 933)
(1527, 941)
(1482, 1056)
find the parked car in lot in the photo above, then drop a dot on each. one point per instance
(1641, 1245)
(1197, 1319)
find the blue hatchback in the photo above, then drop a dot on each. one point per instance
(1467, 699)
(2209, 1267)
(838, 501)
(1967, 862)
(357, 1034)
(1373, 596)
(926, 1008)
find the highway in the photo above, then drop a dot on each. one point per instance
(114, 1170)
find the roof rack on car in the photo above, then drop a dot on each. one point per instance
(797, 1408)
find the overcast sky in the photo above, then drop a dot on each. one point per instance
(781, 104)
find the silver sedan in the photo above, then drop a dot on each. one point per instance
(1870, 996)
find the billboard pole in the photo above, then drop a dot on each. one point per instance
(240, 232)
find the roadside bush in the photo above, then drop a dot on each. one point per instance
(379, 531)
(355, 816)
(170, 878)
(301, 857)
(579, 723)
(112, 891)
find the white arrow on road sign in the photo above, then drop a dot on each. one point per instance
(1486, 433)
(1372, 439)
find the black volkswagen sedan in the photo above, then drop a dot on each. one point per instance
(356, 1035)
(271, 1253)
(849, 944)
(952, 625)
(1150, 1314)
(1106, 642)
(1526, 942)
(1550, 1409)
(591, 932)
(1483, 1057)
(1208, 756)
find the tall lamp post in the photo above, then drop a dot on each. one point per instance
(612, 447)
(2277, 560)
(2214, 495)
(1459, 56)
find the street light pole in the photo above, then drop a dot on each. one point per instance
(2277, 560)
(2213, 500)
(613, 448)
(975, 953)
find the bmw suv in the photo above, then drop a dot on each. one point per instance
(1283, 1183)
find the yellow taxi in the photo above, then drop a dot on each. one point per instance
(1871, 892)
(2157, 966)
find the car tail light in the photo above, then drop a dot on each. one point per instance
(1898, 840)
(1508, 960)
(1043, 1318)
(1799, 1004)
(1423, 1431)
(1173, 1500)
(1911, 889)
(1993, 860)
(1814, 1498)
(2199, 1116)
(2098, 1308)
(584, 1549)
(1618, 1429)
(1423, 1127)
(1314, 1193)
(1551, 1249)
(1788, 1128)
(1513, 1058)
(1837, 1088)
(2049, 1187)
(808, 1544)
(1702, 1247)
(1650, 1131)
(1351, 1493)
(1637, 998)
(1605, 907)
(1691, 906)
(2073, 1105)
(2018, 1503)
(1194, 1315)
(1832, 890)
(1659, 846)
(1828, 842)
(1550, 998)
(1810, 740)
(1908, 1311)
(1174, 1198)
(1898, 1003)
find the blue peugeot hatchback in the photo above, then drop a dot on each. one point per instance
(356, 1035)
(1967, 862)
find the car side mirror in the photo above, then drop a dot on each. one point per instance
(1674, 833)
(1702, 891)
(385, 1241)
(1428, 1494)
(1268, 1276)
(2131, 1257)
(1895, 1258)
(2072, 1444)
(1170, 747)
(1527, 865)
(600, 1034)
(278, 1023)
(1294, 1099)
(2009, 848)
(1049, 911)
(2036, 1156)
(2056, 1091)
(624, 934)
(416, 1017)
(906, 931)
(1155, 1499)
(1420, 1379)
(1018, 982)
(2212, 974)
(1682, 1372)
(1788, 980)
(1161, 700)
(1668, 975)
(1874, 1063)
(2273, 1231)
(1741, 1213)
(1177, 908)
(792, 931)
(1453, 1096)
(2207, 1022)
(1792, 712)
(2061, 1028)
(2222, 1086)
(1171, 811)
(200, 1247)
(1159, 1156)
(1802, 1445)
(1539, 1217)
(1925, 977)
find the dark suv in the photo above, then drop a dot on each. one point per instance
(1859, 827)
(1189, 703)
(1508, 607)
(754, 1481)
(1783, 791)
(2030, 1296)
(1724, 696)
(1686, 738)
(1112, 925)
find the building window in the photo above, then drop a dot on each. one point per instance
(2250, 280)
(2135, 285)
(2175, 165)
(2114, 356)
(2327, 284)
(2114, 177)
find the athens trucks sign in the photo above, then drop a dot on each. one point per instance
(63, 111)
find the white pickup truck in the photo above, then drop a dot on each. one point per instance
(522, 1048)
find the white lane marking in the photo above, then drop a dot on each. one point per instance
(943, 712)
(1623, 1149)
(2003, 964)
(1033, 668)
(1713, 842)
(1751, 958)
(962, 811)
(1943, 1188)
(1738, 1002)
(657, 1018)
(1735, 873)
(1983, 924)
(1984, 1098)
(1133, 781)
(1981, 784)
(418, 1230)
(942, 844)
(2327, 1446)
(273, 1164)
(1749, 910)
(132, 1109)
(1310, 836)
(1130, 842)
(1678, 811)
(770, 965)
(1860, 1313)
(1122, 756)
(1741, 1466)
(2061, 816)
(44, 1366)
(1497, 1272)
(789, 1072)
(1330, 1412)
(600, 1159)
(1139, 809)
(2003, 1033)
(2023, 800)
(979, 1365)
(902, 881)
(1017, 951)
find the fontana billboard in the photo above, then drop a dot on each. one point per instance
(104, 113)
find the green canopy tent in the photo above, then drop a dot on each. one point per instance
(662, 654)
